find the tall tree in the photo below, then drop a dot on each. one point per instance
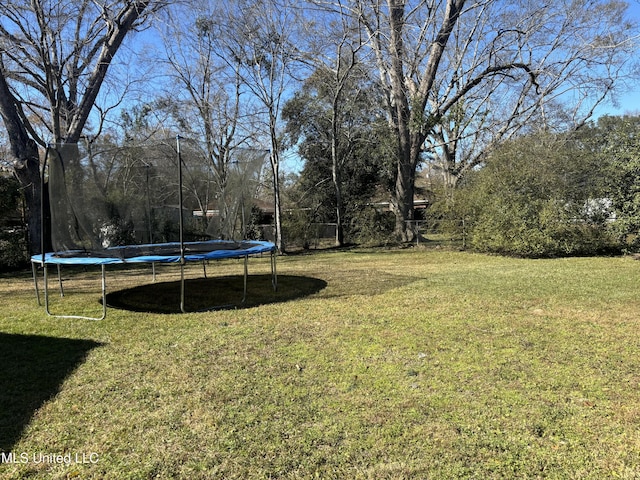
(54, 59)
(265, 39)
(344, 146)
(432, 55)
(339, 82)
(207, 87)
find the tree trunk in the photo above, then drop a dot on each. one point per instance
(403, 201)
(336, 170)
(26, 162)
(339, 207)
(406, 164)
(277, 204)
(27, 170)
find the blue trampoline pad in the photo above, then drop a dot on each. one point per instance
(161, 253)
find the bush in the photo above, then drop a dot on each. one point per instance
(369, 226)
(257, 219)
(296, 228)
(538, 229)
(13, 250)
(13, 246)
(533, 200)
(616, 140)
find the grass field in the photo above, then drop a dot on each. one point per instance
(406, 364)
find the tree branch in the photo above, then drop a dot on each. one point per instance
(488, 72)
(126, 20)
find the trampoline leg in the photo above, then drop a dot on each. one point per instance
(246, 274)
(60, 281)
(46, 296)
(182, 288)
(104, 293)
(46, 289)
(34, 270)
(204, 268)
(274, 273)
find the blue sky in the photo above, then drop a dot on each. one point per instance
(628, 102)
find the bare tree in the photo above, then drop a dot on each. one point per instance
(263, 38)
(208, 86)
(54, 59)
(446, 60)
(574, 70)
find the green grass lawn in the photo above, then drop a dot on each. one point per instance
(417, 363)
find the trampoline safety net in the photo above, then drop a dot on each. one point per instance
(106, 196)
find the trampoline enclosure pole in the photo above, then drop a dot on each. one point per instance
(180, 200)
(42, 189)
(180, 224)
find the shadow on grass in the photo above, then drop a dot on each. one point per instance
(32, 369)
(210, 293)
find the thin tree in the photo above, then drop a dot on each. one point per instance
(263, 38)
(336, 44)
(207, 88)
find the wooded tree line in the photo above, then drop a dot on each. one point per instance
(367, 92)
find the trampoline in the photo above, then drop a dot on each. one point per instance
(159, 253)
(89, 228)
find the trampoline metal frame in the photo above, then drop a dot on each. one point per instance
(46, 291)
(35, 261)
